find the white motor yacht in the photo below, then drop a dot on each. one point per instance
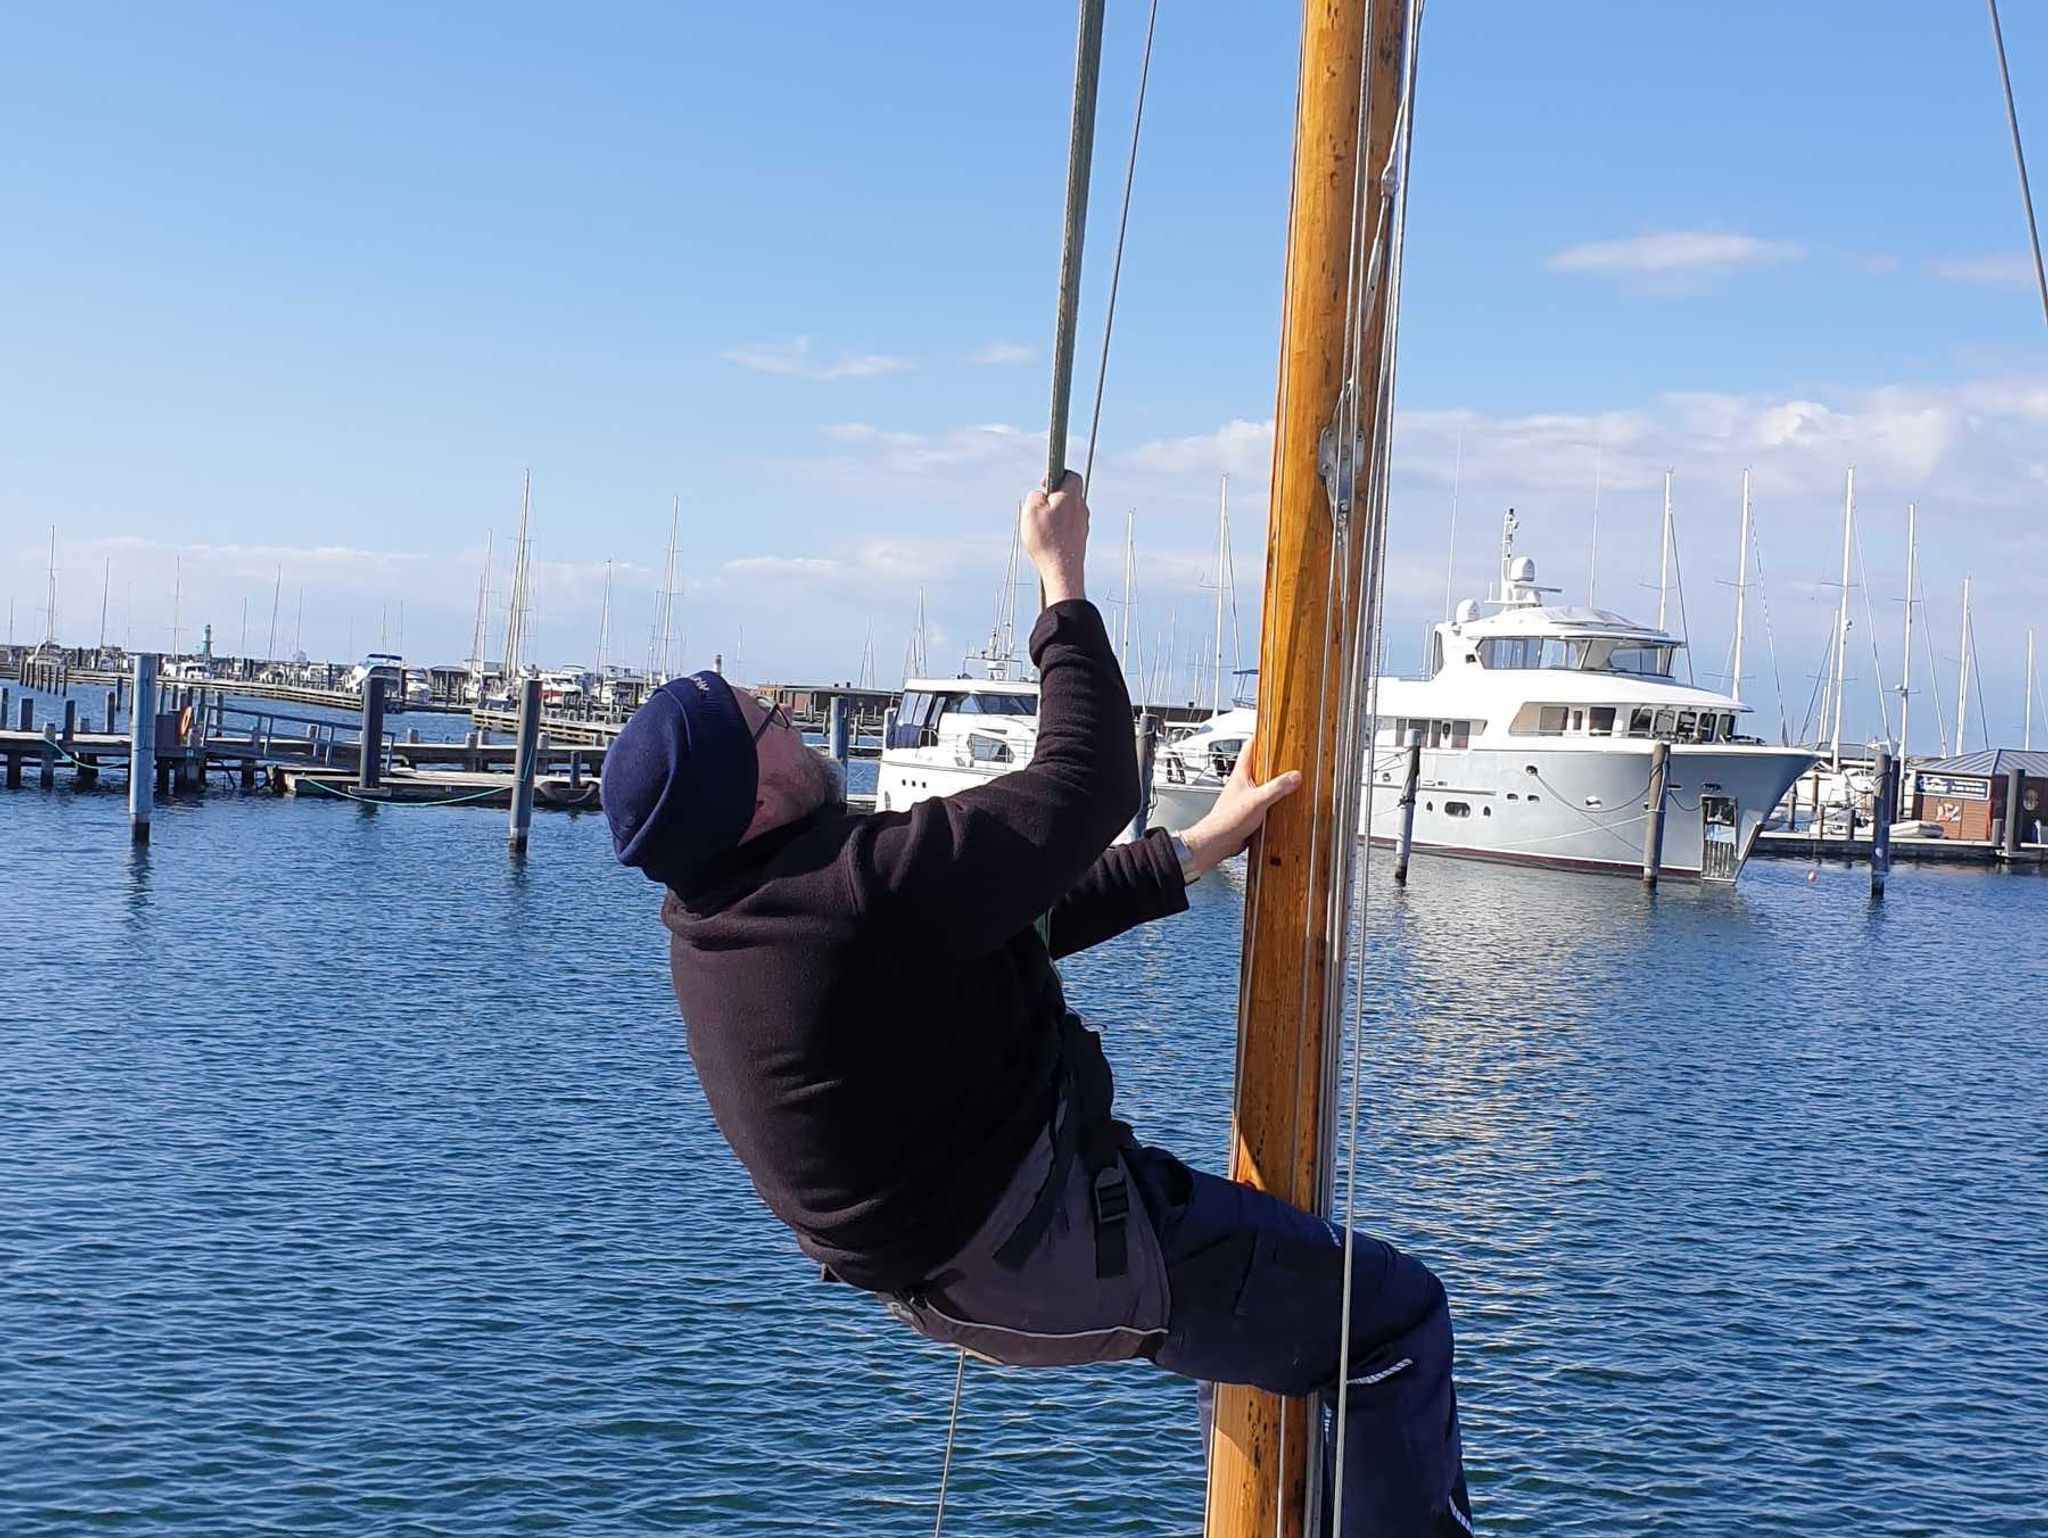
(952, 733)
(1536, 726)
(1189, 770)
(388, 666)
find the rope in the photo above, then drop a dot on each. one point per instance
(1884, 707)
(1933, 683)
(1116, 266)
(349, 795)
(2019, 156)
(952, 1431)
(1080, 155)
(1080, 160)
(1770, 640)
(1394, 191)
(1684, 624)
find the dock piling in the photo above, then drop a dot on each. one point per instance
(70, 721)
(142, 749)
(523, 758)
(2013, 828)
(46, 775)
(1148, 758)
(1883, 815)
(1411, 782)
(839, 735)
(370, 755)
(28, 715)
(1653, 827)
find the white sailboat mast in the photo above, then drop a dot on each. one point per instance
(1451, 559)
(1741, 590)
(2027, 736)
(50, 609)
(515, 606)
(1842, 619)
(1664, 562)
(666, 661)
(1593, 543)
(1963, 679)
(1906, 654)
(604, 622)
(276, 598)
(480, 643)
(1123, 628)
(1222, 557)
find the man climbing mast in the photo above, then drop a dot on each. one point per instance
(884, 1042)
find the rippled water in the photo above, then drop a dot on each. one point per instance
(353, 1180)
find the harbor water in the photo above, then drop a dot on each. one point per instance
(353, 1180)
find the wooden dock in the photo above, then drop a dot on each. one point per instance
(1779, 844)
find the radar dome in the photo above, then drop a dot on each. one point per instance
(1522, 569)
(1468, 611)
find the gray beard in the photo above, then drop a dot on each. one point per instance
(835, 781)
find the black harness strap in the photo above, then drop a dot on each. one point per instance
(1082, 1128)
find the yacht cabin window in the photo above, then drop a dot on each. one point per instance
(995, 704)
(1394, 730)
(917, 719)
(988, 750)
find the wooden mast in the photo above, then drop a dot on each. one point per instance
(1259, 1449)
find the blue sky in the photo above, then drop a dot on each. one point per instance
(309, 288)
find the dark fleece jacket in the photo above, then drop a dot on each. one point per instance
(874, 1019)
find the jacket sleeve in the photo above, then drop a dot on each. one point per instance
(1130, 885)
(968, 872)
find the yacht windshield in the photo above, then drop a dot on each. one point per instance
(1532, 652)
(995, 705)
(1649, 659)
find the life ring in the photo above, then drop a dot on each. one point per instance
(185, 724)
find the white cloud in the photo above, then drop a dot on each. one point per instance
(996, 451)
(1673, 252)
(1001, 354)
(793, 359)
(785, 566)
(2006, 268)
(1238, 446)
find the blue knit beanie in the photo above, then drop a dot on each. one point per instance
(679, 780)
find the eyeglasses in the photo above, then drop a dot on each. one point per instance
(774, 710)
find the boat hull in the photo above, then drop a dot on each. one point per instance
(904, 778)
(1587, 809)
(1571, 808)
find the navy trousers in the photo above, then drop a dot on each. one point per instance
(1257, 1288)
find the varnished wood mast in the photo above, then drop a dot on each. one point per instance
(1258, 1466)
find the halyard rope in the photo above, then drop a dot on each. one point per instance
(2019, 155)
(1116, 266)
(1364, 685)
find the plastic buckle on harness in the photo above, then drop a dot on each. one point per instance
(1112, 1196)
(1112, 1200)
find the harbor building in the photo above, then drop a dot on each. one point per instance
(1972, 796)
